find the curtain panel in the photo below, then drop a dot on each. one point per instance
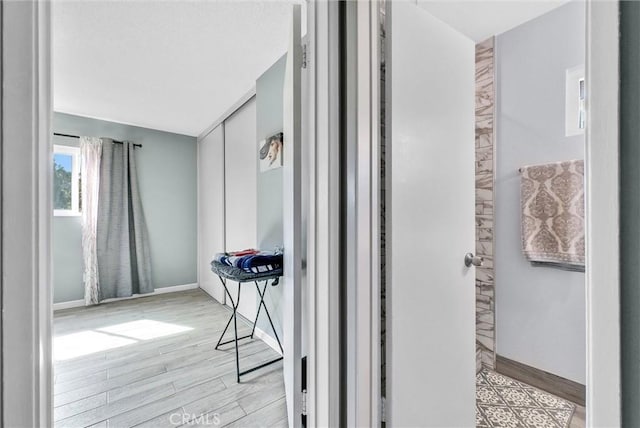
(123, 253)
(90, 153)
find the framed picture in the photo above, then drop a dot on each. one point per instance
(270, 152)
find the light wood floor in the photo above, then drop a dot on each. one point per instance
(579, 417)
(151, 362)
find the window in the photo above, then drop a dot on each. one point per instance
(66, 181)
(575, 113)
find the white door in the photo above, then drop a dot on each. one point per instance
(431, 317)
(211, 209)
(292, 224)
(241, 207)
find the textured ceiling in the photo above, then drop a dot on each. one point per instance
(480, 19)
(174, 66)
(179, 65)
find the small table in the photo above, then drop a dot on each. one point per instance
(226, 272)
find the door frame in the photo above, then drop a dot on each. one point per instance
(603, 214)
(321, 111)
(602, 198)
(26, 362)
(26, 214)
(363, 401)
(26, 228)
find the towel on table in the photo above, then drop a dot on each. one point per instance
(259, 263)
(230, 257)
(552, 203)
(252, 261)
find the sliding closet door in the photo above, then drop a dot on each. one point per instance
(241, 192)
(210, 209)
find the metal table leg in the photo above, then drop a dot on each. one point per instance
(233, 317)
(260, 305)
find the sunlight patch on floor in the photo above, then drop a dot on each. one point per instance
(101, 339)
(145, 329)
(86, 342)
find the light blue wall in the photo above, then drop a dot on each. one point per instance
(167, 178)
(540, 311)
(269, 121)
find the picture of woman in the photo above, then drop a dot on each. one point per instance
(270, 152)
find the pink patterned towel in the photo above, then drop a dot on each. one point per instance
(552, 201)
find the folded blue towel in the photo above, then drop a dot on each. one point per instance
(259, 263)
(264, 261)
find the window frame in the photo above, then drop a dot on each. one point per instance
(74, 152)
(575, 101)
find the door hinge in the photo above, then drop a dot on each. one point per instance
(303, 388)
(383, 409)
(304, 55)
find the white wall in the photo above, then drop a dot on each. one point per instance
(540, 312)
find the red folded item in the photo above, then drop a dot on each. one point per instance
(241, 253)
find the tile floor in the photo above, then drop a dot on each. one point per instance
(505, 402)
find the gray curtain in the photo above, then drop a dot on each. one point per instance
(124, 262)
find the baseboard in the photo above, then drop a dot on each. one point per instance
(565, 388)
(68, 305)
(270, 341)
(163, 290)
(210, 291)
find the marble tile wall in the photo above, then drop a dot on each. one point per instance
(485, 285)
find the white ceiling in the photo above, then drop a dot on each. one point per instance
(179, 65)
(481, 19)
(174, 66)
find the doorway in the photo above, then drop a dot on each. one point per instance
(37, 16)
(108, 358)
(418, 112)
